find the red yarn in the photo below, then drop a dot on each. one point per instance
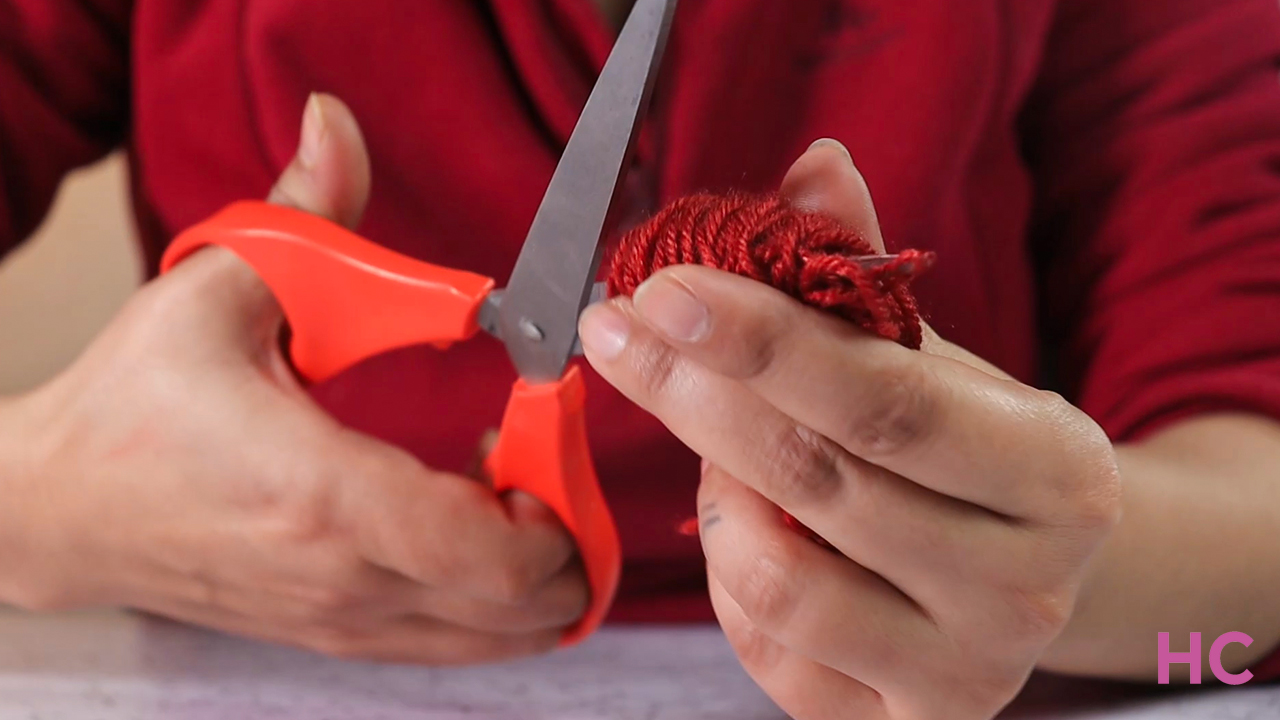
(808, 256)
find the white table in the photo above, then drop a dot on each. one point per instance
(114, 666)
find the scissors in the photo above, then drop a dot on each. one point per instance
(347, 299)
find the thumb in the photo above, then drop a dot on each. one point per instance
(329, 176)
(475, 469)
(824, 180)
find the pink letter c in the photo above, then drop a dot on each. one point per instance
(1215, 658)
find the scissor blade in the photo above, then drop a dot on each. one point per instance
(552, 279)
(487, 318)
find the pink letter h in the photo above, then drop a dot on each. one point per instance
(1167, 658)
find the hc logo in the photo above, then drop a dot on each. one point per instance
(1192, 658)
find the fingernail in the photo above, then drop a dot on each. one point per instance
(831, 143)
(604, 331)
(314, 129)
(671, 307)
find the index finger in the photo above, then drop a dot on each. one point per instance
(939, 422)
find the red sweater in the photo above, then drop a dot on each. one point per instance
(1100, 178)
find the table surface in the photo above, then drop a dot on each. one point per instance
(117, 666)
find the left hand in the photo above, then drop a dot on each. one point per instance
(963, 506)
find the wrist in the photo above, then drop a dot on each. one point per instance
(1189, 493)
(27, 521)
(13, 486)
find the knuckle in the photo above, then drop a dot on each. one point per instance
(300, 509)
(895, 652)
(808, 468)
(331, 601)
(514, 583)
(41, 600)
(1098, 502)
(757, 348)
(898, 412)
(766, 590)
(754, 648)
(204, 589)
(1089, 483)
(334, 642)
(979, 694)
(431, 553)
(1099, 509)
(658, 369)
(1037, 615)
(437, 566)
(303, 523)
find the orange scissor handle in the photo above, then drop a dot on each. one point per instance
(346, 299)
(542, 450)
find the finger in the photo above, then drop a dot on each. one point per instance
(446, 531)
(801, 687)
(366, 592)
(329, 176)
(309, 583)
(236, 311)
(922, 417)
(719, 418)
(811, 601)
(424, 641)
(953, 559)
(323, 584)
(931, 546)
(413, 640)
(824, 180)
(554, 606)
(221, 620)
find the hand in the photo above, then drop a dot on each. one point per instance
(962, 506)
(178, 468)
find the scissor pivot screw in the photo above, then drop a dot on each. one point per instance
(531, 331)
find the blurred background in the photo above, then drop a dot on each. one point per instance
(64, 284)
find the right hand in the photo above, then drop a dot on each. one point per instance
(178, 468)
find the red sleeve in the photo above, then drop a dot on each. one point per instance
(1154, 135)
(64, 98)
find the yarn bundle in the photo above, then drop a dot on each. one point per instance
(809, 256)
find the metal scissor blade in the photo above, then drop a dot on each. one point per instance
(487, 318)
(553, 276)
